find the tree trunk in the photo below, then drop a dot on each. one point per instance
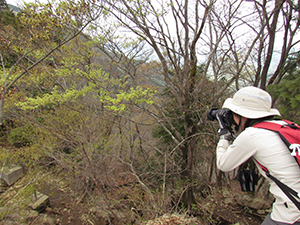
(272, 33)
(187, 177)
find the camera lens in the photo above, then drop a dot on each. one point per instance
(212, 114)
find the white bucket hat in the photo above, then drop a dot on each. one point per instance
(251, 102)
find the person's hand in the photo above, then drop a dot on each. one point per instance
(221, 117)
(224, 131)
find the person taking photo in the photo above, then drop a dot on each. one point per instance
(249, 106)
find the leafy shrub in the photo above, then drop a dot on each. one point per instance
(20, 136)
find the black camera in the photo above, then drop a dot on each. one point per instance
(224, 116)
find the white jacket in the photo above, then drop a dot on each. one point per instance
(269, 150)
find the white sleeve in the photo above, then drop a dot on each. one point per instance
(230, 156)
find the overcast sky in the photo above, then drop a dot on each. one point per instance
(17, 2)
(14, 2)
(20, 2)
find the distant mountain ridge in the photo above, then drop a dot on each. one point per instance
(15, 9)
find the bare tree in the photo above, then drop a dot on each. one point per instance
(243, 37)
(175, 47)
(290, 28)
(237, 46)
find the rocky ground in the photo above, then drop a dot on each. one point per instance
(66, 206)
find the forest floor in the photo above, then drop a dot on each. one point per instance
(67, 206)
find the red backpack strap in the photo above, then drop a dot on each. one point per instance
(268, 125)
(276, 126)
(263, 168)
(289, 192)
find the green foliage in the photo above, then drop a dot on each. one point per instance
(286, 94)
(136, 96)
(160, 133)
(21, 136)
(115, 102)
(9, 23)
(52, 99)
(81, 76)
(7, 17)
(177, 114)
(177, 121)
(49, 22)
(3, 5)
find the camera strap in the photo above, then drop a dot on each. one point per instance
(289, 192)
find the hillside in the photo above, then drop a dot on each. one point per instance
(71, 205)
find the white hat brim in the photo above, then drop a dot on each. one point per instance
(248, 113)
